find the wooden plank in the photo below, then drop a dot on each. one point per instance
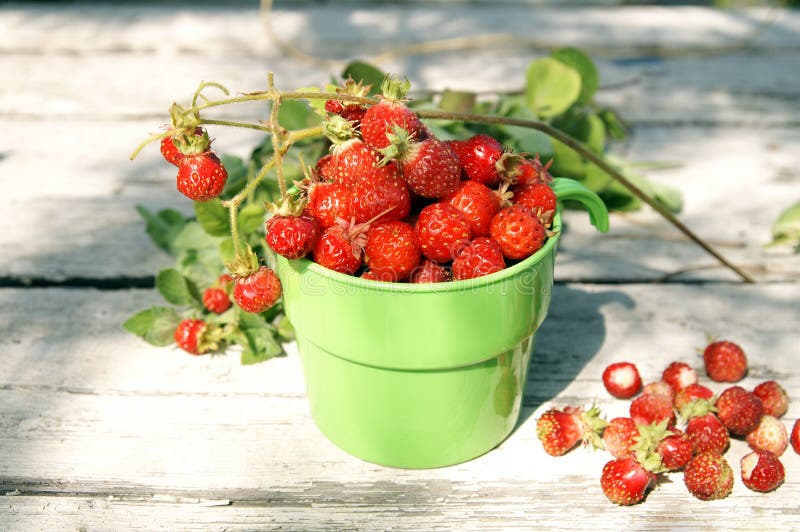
(84, 407)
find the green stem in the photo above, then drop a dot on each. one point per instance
(277, 136)
(230, 123)
(205, 84)
(233, 209)
(148, 140)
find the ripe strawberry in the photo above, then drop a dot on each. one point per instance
(519, 233)
(647, 409)
(196, 336)
(341, 247)
(441, 229)
(795, 436)
(707, 434)
(328, 202)
(430, 272)
(334, 106)
(560, 430)
(659, 388)
(216, 300)
(739, 410)
(372, 276)
(324, 168)
(392, 250)
(390, 113)
(624, 481)
(201, 177)
(478, 157)
(171, 152)
(622, 380)
(725, 362)
(689, 394)
(539, 198)
(478, 203)
(679, 375)
(770, 435)
(762, 471)
(708, 477)
(523, 172)
(619, 437)
(351, 157)
(258, 291)
(477, 258)
(429, 167)
(293, 236)
(675, 450)
(381, 193)
(773, 397)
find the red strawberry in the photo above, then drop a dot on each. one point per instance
(519, 233)
(334, 106)
(478, 158)
(372, 276)
(430, 272)
(328, 202)
(675, 450)
(647, 409)
(795, 437)
(622, 380)
(773, 397)
(171, 152)
(216, 300)
(390, 113)
(196, 336)
(478, 203)
(762, 471)
(708, 477)
(380, 192)
(429, 166)
(479, 257)
(352, 112)
(392, 250)
(686, 396)
(293, 236)
(441, 229)
(725, 361)
(619, 437)
(739, 410)
(560, 430)
(707, 434)
(624, 481)
(769, 435)
(201, 177)
(518, 170)
(539, 198)
(679, 375)
(258, 291)
(351, 157)
(341, 247)
(659, 388)
(324, 168)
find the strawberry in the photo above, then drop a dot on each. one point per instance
(351, 157)
(216, 300)
(370, 275)
(197, 337)
(725, 361)
(624, 481)
(690, 393)
(171, 152)
(675, 450)
(708, 476)
(707, 434)
(430, 272)
(795, 437)
(341, 247)
(389, 113)
(647, 409)
(292, 236)
(479, 257)
(770, 435)
(328, 202)
(539, 198)
(478, 203)
(739, 410)
(324, 168)
(773, 397)
(523, 172)
(380, 192)
(258, 291)
(622, 380)
(429, 167)
(560, 430)
(392, 250)
(619, 437)
(762, 471)
(660, 388)
(478, 157)
(441, 229)
(201, 177)
(679, 375)
(519, 233)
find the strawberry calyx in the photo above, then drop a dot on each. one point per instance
(395, 89)
(338, 129)
(288, 206)
(593, 425)
(209, 338)
(401, 143)
(244, 264)
(646, 447)
(356, 234)
(698, 408)
(187, 135)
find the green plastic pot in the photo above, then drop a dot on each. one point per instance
(422, 375)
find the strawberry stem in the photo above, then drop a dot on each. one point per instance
(199, 92)
(232, 213)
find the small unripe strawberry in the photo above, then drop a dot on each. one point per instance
(770, 435)
(258, 291)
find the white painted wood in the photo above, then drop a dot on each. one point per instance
(89, 440)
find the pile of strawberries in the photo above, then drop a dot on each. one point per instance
(391, 202)
(647, 443)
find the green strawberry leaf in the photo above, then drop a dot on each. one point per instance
(213, 217)
(163, 226)
(155, 325)
(237, 175)
(552, 87)
(366, 73)
(786, 229)
(296, 114)
(258, 345)
(614, 125)
(251, 219)
(285, 329)
(581, 62)
(175, 288)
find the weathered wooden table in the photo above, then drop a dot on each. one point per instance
(103, 432)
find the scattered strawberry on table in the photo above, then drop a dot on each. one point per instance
(649, 446)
